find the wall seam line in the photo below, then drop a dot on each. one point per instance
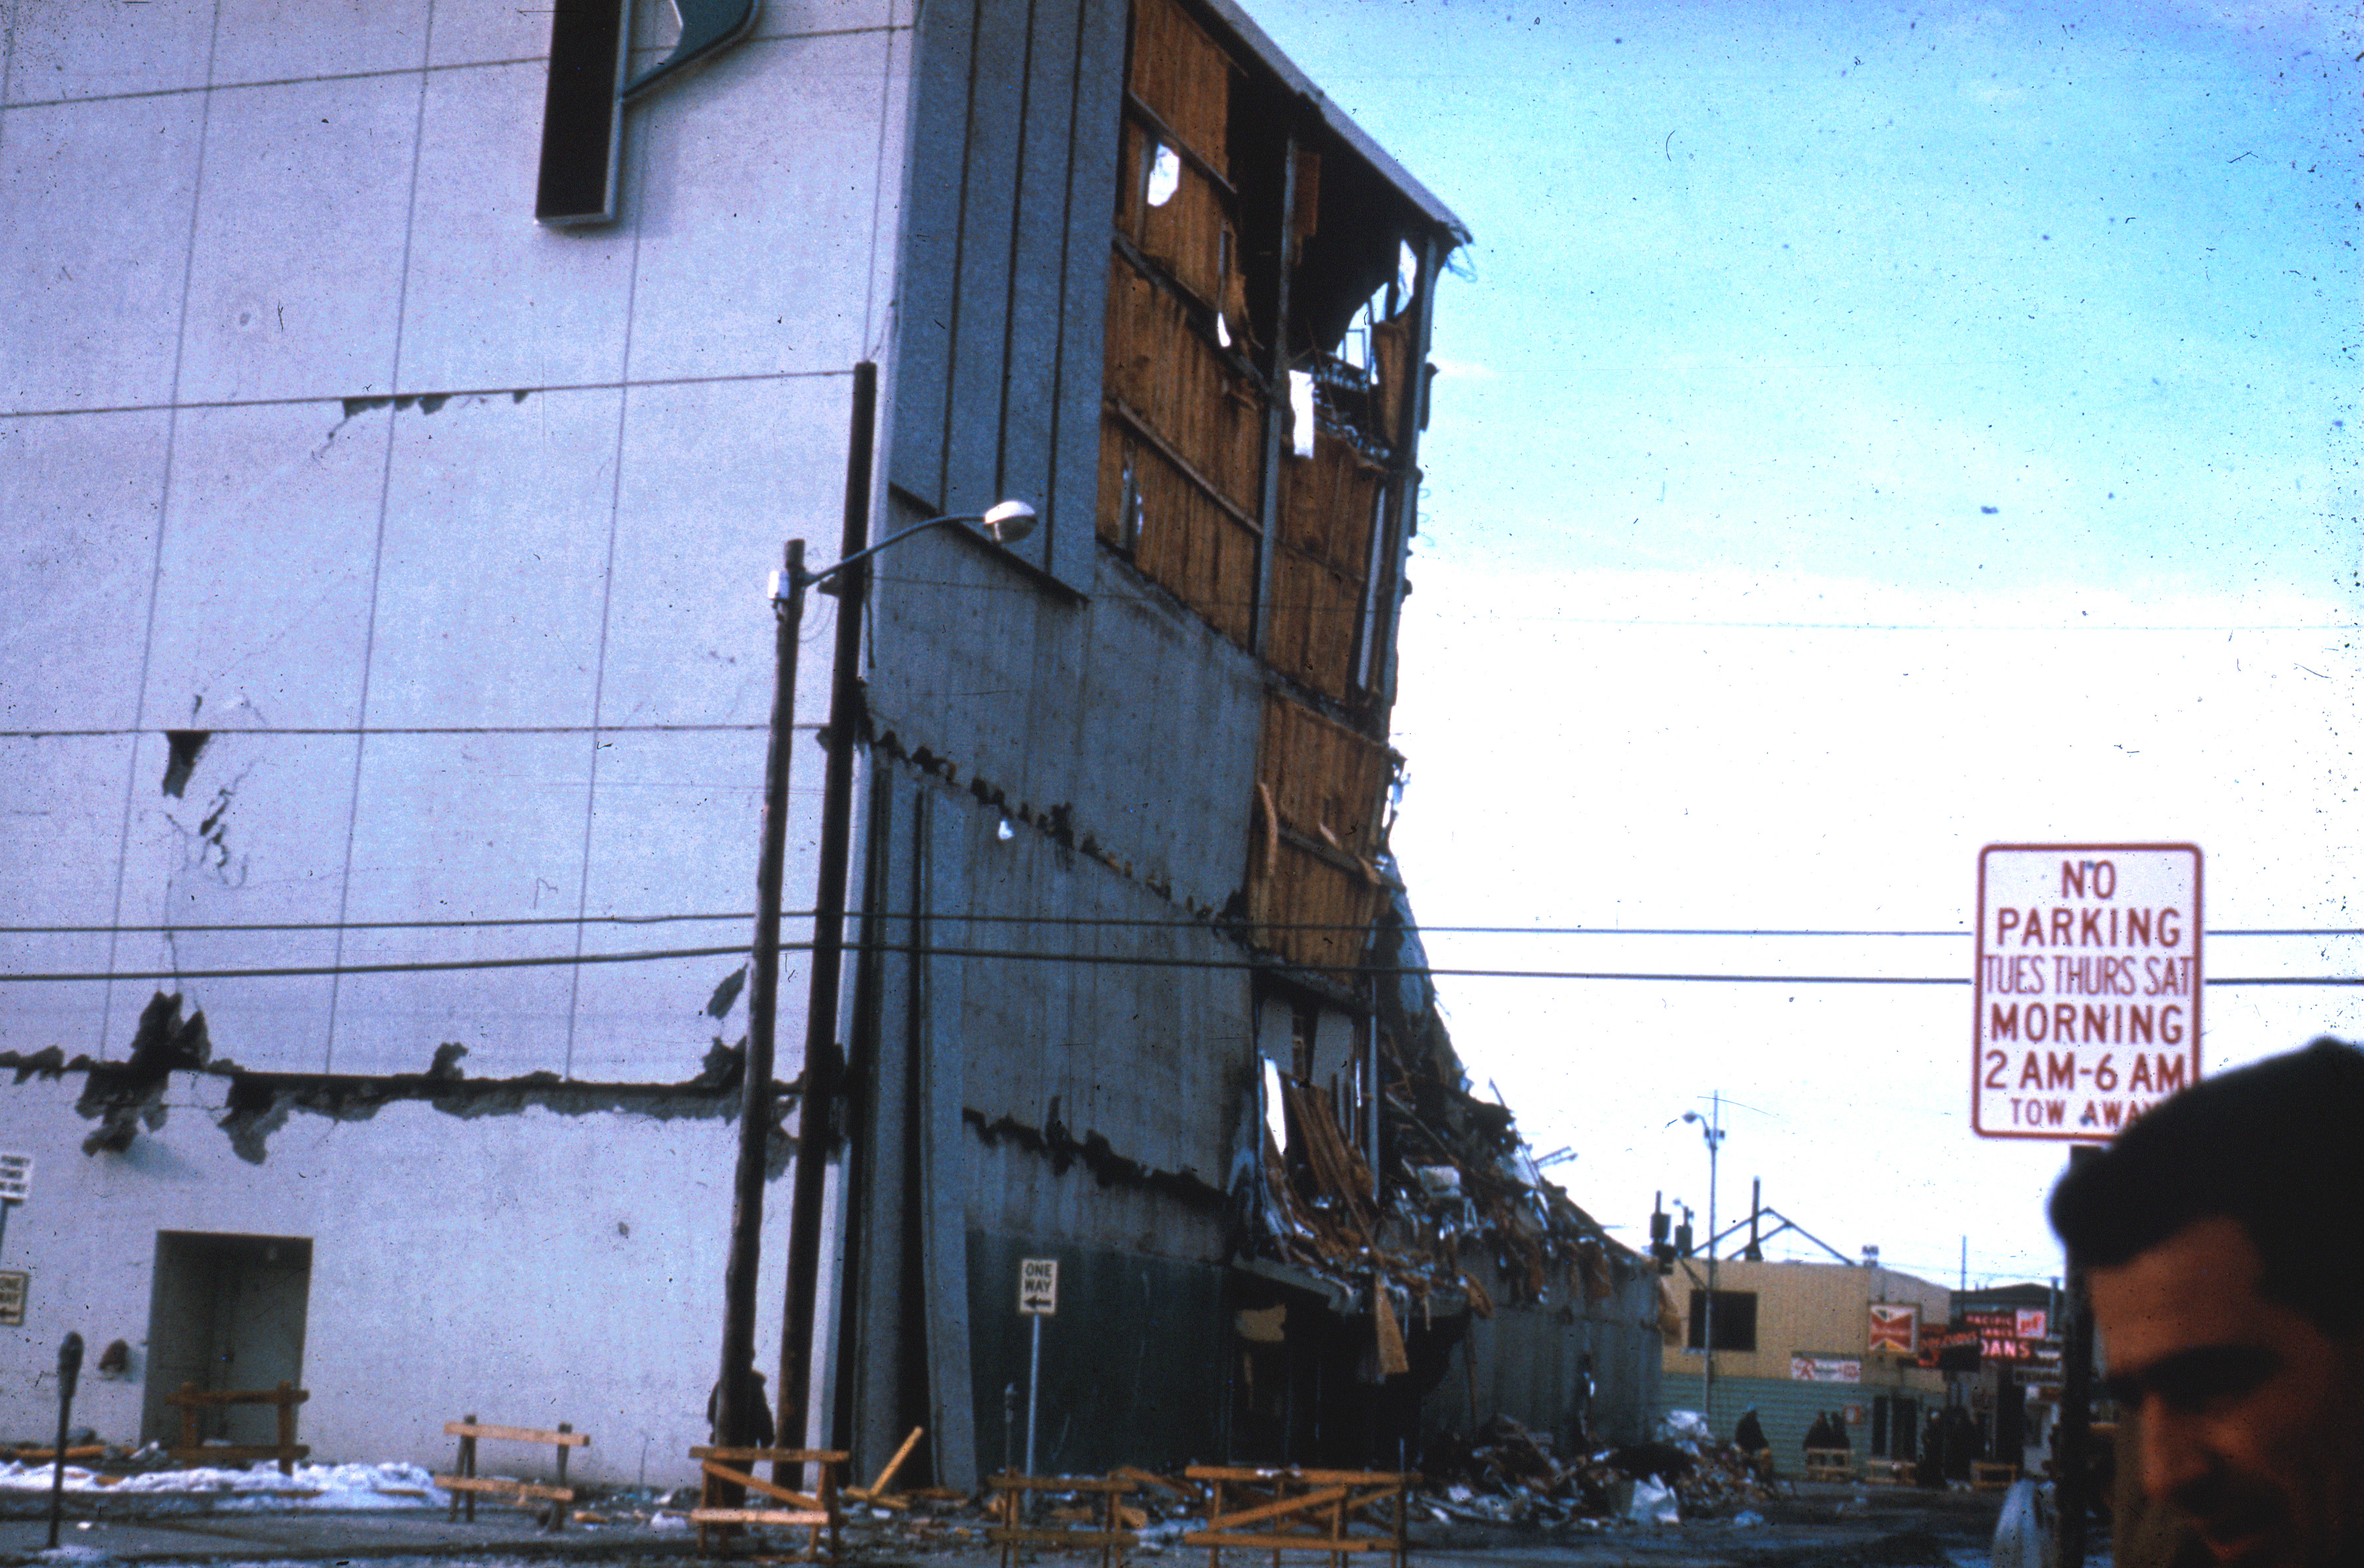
(164, 511)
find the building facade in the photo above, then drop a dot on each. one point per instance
(386, 674)
(1798, 1340)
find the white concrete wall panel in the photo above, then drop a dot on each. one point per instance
(531, 1268)
(296, 273)
(239, 847)
(286, 40)
(472, 827)
(264, 585)
(718, 476)
(77, 560)
(64, 819)
(492, 300)
(754, 211)
(92, 259)
(59, 52)
(674, 821)
(494, 561)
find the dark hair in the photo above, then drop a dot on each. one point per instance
(2277, 1146)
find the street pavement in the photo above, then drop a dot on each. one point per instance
(1821, 1527)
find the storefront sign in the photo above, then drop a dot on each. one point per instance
(1825, 1369)
(2087, 988)
(1895, 1328)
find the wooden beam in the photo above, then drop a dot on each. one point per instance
(754, 1517)
(1289, 1542)
(870, 1492)
(1302, 1503)
(515, 1434)
(504, 1486)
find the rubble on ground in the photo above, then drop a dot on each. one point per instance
(262, 1485)
(1504, 1474)
(1507, 1474)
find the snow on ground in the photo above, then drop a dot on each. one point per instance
(258, 1486)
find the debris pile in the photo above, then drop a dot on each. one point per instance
(1507, 1474)
(260, 1485)
(1456, 1180)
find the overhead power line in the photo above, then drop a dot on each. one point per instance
(1136, 961)
(1151, 923)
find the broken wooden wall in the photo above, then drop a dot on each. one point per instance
(1197, 728)
(1275, 544)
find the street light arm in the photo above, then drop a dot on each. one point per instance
(1004, 523)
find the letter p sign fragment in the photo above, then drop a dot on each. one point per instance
(583, 114)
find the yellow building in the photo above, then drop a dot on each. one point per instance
(1794, 1339)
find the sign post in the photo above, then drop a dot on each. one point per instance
(1038, 1297)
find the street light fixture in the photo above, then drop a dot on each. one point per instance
(1712, 1129)
(1003, 523)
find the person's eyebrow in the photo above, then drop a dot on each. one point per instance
(2192, 1379)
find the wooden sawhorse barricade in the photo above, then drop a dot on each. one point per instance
(1299, 1510)
(1010, 1531)
(1830, 1465)
(1992, 1475)
(467, 1484)
(817, 1510)
(193, 1448)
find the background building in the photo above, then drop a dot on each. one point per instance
(384, 684)
(1795, 1339)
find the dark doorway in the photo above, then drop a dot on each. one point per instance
(226, 1312)
(2010, 1418)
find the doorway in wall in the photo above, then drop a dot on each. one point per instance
(226, 1312)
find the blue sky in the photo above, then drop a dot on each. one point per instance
(1864, 433)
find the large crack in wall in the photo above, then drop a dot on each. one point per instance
(124, 1098)
(1056, 1143)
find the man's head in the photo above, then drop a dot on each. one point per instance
(2224, 1233)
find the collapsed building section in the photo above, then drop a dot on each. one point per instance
(1234, 1119)
(422, 726)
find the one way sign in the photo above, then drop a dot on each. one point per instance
(1038, 1287)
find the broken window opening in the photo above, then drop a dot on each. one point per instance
(1735, 1320)
(1130, 533)
(1303, 421)
(1165, 176)
(1276, 1108)
(1366, 637)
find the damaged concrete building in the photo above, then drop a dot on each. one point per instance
(383, 682)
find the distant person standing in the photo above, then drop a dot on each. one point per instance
(1749, 1437)
(758, 1411)
(1929, 1464)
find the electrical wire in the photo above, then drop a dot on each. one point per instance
(1134, 960)
(1109, 921)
